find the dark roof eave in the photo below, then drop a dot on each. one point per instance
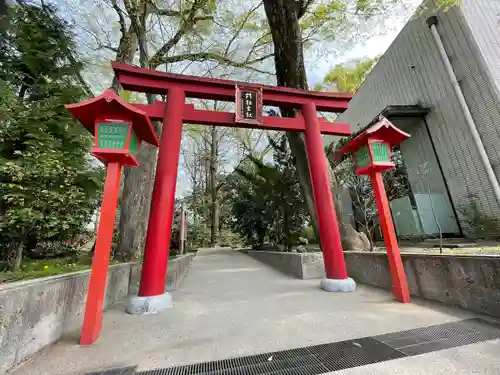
(396, 111)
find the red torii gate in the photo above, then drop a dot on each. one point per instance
(249, 100)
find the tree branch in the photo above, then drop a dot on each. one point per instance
(123, 27)
(79, 77)
(186, 24)
(257, 44)
(303, 8)
(101, 45)
(237, 33)
(165, 12)
(210, 56)
(177, 13)
(203, 18)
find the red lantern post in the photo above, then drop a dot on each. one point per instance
(371, 151)
(119, 128)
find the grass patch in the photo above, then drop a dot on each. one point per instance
(32, 269)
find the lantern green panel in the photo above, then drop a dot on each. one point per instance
(362, 156)
(133, 146)
(380, 152)
(112, 135)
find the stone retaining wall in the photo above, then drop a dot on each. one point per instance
(301, 265)
(177, 270)
(467, 281)
(36, 313)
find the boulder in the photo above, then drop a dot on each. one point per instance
(301, 249)
(353, 240)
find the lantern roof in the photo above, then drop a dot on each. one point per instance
(383, 130)
(110, 106)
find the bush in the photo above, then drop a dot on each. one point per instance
(481, 225)
(310, 236)
(267, 204)
(230, 239)
(48, 187)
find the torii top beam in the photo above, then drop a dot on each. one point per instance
(155, 82)
(191, 115)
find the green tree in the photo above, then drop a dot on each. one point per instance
(288, 22)
(249, 204)
(48, 188)
(267, 202)
(347, 77)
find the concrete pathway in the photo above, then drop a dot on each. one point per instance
(231, 305)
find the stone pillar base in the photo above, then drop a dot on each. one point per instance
(138, 305)
(338, 285)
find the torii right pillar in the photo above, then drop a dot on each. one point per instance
(336, 274)
(371, 152)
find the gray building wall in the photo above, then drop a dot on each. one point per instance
(483, 18)
(420, 160)
(411, 72)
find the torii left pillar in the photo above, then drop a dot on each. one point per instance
(152, 297)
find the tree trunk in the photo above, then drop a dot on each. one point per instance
(3, 7)
(283, 21)
(17, 256)
(298, 149)
(127, 48)
(206, 163)
(286, 228)
(283, 18)
(138, 182)
(214, 212)
(135, 204)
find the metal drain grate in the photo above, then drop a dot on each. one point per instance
(443, 336)
(130, 370)
(353, 353)
(311, 360)
(320, 359)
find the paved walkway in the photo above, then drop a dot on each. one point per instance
(231, 305)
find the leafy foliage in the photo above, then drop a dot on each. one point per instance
(48, 187)
(267, 201)
(479, 224)
(346, 78)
